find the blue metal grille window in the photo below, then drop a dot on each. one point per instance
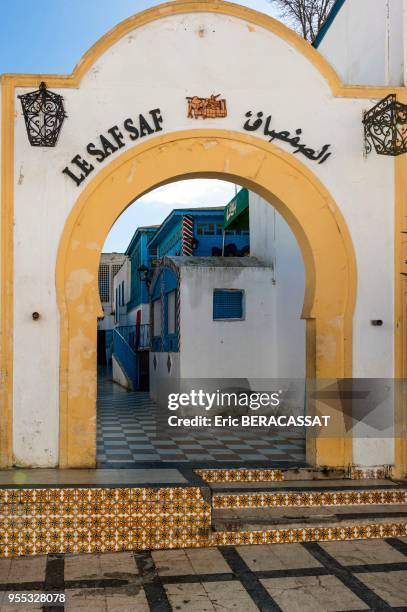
(227, 304)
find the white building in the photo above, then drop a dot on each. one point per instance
(121, 292)
(232, 317)
(365, 41)
(272, 241)
(110, 264)
(211, 318)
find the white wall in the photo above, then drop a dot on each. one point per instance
(365, 42)
(272, 240)
(226, 349)
(119, 375)
(123, 275)
(163, 381)
(169, 59)
(220, 349)
(262, 348)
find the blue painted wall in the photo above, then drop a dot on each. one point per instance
(165, 283)
(139, 255)
(152, 243)
(207, 229)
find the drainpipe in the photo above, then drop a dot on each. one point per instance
(387, 46)
(390, 43)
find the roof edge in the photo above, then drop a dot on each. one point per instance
(179, 212)
(139, 230)
(210, 261)
(328, 22)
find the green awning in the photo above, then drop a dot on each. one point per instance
(237, 212)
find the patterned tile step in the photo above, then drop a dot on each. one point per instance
(241, 475)
(373, 473)
(93, 543)
(40, 521)
(79, 519)
(78, 494)
(270, 474)
(299, 486)
(294, 517)
(310, 534)
(147, 540)
(306, 499)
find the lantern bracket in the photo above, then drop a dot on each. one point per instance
(385, 127)
(44, 115)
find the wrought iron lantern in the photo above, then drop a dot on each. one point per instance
(386, 127)
(44, 115)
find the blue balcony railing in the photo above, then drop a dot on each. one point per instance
(136, 336)
(127, 358)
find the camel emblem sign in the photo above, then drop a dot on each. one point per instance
(207, 108)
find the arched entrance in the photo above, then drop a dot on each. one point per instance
(275, 175)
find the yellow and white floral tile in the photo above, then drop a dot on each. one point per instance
(241, 475)
(38, 521)
(306, 499)
(312, 534)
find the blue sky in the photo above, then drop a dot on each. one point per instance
(50, 36)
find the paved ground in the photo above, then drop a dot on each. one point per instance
(127, 431)
(334, 576)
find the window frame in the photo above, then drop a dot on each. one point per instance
(174, 293)
(154, 302)
(229, 290)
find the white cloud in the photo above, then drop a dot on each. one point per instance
(156, 205)
(193, 192)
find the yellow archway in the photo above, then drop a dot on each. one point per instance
(275, 175)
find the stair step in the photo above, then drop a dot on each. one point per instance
(241, 475)
(302, 485)
(260, 519)
(268, 474)
(309, 498)
(303, 510)
(278, 474)
(392, 527)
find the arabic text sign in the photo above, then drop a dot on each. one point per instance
(285, 136)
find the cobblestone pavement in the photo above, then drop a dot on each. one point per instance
(337, 576)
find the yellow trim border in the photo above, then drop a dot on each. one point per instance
(400, 312)
(6, 272)
(276, 176)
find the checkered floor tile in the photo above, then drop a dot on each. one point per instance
(129, 430)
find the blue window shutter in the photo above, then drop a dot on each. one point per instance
(227, 304)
